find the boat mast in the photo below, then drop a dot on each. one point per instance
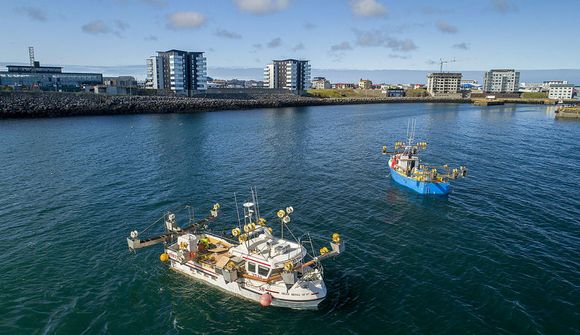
(237, 211)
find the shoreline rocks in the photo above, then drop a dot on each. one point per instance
(56, 104)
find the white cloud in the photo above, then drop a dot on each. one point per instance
(33, 13)
(341, 46)
(379, 38)
(299, 46)
(445, 27)
(503, 6)
(462, 46)
(368, 8)
(121, 25)
(274, 43)
(156, 3)
(228, 34)
(185, 20)
(395, 56)
(96, 27)
(262, 6)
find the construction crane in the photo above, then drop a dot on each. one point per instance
(443, 61)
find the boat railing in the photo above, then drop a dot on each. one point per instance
(309, 271)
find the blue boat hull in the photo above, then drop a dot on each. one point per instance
(421, 187)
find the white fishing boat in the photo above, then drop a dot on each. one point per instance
(250, 262)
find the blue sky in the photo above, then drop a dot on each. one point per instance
(332, 34)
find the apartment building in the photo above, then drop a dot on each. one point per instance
(182, 72)
(289, 74)
(501, 81)
(444, 84)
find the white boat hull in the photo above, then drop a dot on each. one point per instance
(295, 297)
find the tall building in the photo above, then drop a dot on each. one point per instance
(501, 81)
(182, 72)
(561, 91)
(444, 84)
(289, 74)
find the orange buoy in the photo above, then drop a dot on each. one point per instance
(266, 299)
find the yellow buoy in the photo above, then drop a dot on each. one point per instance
(236, 232)
(281, 213)
(323, 250)
(262, 221)
(164, 257)
(288, 266)
(336, 238)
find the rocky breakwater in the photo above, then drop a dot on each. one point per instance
(55, 104)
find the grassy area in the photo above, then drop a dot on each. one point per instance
(535, 95)
(345, 93)
(416, 92)
(330, 93)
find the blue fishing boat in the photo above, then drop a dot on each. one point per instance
(407, 169)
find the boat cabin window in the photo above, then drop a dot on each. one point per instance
(263, 271)
(252, 267)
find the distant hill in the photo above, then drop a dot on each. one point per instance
(334, 75)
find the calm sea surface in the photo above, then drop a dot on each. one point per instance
(501, 254)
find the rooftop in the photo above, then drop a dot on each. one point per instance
(561, 85)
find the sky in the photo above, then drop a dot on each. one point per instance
(332, 34)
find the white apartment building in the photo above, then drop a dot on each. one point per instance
(501, 81)
(289, 74)
(154, 72)
(179, 71)
(561, 91)
(320, 83)
(444, 84)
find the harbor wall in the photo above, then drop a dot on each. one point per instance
(57, 104)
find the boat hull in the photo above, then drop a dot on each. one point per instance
(420, 187)
(253, 290)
